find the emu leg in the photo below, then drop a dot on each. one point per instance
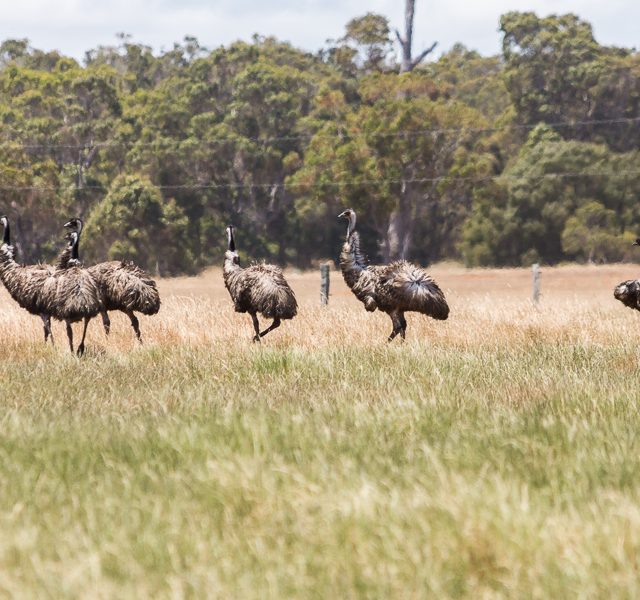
(70, 335)
(84, 334)
(403, 324)
(256, 326)
(46, 320)
(276, 323)
(106, 322)
(397, 326)
(135, 324)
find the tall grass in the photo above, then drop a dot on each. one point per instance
(493, 455)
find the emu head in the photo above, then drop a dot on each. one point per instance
(637, 242)
(75, 224)
(350, 215)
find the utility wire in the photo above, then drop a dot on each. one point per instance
(408, 133)
(352, 182)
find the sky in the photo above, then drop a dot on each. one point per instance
(74, 26)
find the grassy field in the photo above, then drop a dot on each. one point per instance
(493, 455)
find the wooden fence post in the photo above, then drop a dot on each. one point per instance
(536, 283)
(324, 284)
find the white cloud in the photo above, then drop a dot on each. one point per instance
(74, 26)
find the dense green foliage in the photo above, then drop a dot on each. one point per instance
(533, 155)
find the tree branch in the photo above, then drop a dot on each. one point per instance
(416, 61)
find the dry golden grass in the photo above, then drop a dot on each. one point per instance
(487, 306)
(492, 455)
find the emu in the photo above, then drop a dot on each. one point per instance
(124, 286)
(256, 289)
(628, 292)
(71, 293)
(395, 288)
(24, 283)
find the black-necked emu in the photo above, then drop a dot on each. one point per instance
(258, 288)
(395, 289)
(628, 292)
(25, 282)
(124, 287)
(72, 293)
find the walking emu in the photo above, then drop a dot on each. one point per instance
(395, 288)
(24, 283)
(628, 292)
(72, 293)
(257, 289)
(124, 287)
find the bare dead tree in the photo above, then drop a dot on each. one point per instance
(408, 62)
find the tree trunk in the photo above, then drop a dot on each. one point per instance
(399, 231)
(408, 63)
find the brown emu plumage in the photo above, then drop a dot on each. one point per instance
(24, 282)
(124, 286)
(394, 289)
(628, 292)
(257, 289)
(127, 287)
(68, 293)
(71, 293)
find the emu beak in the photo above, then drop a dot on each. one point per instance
(343, 214)
(68, 224)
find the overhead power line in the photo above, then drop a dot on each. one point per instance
(319, 135)
(352, 182)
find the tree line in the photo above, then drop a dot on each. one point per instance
(529, 156)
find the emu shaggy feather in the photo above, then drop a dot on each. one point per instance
(123, 285)
(394, 289)
(628, 292)
(67, 293)
(73, 293)
(258, 288)
(24, 283)
(126, 287)
(261, 289)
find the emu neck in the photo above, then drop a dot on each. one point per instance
(6, 236)
(7, 261)
(74, 249)
(231, 258)
(231, 262)
(351, 227)
(352, 261)
(231, 243)
(69, 256)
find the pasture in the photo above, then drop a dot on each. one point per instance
(492, 455)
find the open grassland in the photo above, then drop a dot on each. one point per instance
(493, 455)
